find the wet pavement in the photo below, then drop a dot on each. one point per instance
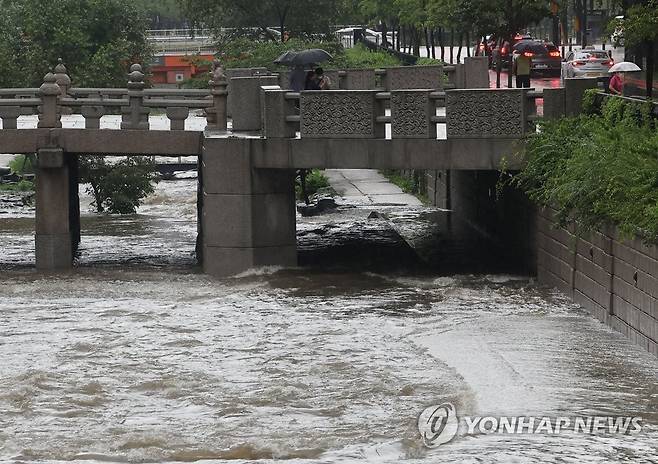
(365, 186)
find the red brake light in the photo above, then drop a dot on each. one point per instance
(528, 54)
(504, 50)
(579, 63)
(609, 63)
(555, 54)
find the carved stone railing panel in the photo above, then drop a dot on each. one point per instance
(338, 114)
(414, 77)
(475, 113)
(411, 114)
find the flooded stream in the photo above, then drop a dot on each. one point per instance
(136, 356)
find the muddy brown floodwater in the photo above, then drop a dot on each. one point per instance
(138, 357)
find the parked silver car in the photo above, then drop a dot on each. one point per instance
(587, 63)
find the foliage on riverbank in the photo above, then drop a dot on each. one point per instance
(598, 168)
(315, 180)
(21, 165)
(118, 187)
(20, 186)
(411, 182)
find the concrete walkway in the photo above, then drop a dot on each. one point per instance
(367, 186)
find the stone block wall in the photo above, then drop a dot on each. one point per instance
(615, 280)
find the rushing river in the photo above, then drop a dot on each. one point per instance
(138, 357)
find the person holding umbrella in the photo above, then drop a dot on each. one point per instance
(522, 66)
(616, 85)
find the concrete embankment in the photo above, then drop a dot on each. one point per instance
(616, 280)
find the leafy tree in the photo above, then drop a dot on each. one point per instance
(97, 39)
(511, 16)
(300, 17)
(163, 14)
(118, 187)
(640, 26)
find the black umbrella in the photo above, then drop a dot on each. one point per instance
(530, 46)
(313, 55)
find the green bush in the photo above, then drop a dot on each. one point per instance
(21, 165)
(360, 57)
(118, 187)
(315, 180)
(424, 61)
(20, 186)
(598, 169)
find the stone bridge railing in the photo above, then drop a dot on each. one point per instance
(134, 103)
(414, 102)
(411, 113)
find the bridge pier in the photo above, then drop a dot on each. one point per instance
(54, 240)
(248, 213)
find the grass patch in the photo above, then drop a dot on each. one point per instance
(412, 184)
(21, 186)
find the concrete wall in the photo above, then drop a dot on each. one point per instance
(614, 279)
(248, 217)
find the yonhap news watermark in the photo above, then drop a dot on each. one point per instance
(439, 424)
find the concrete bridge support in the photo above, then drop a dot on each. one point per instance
(54, 242)
(248, 213)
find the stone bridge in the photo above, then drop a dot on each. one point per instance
(250, 134)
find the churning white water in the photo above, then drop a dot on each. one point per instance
(138, 357)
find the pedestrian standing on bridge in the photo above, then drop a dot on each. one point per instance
(297, 79)
(323, 81)
(311, 81)
(521, 68)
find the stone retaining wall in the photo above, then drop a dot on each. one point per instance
(615, 280)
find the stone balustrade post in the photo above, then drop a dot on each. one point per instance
(64, 82)
(92, 115)
(574, 88)
(275, 107)
(49, 114)
(9, 116)
(135, 115)
(177, 116)
(216, 116)
(62, 78)
(554, 103)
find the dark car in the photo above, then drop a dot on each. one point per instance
(501, 53)
(545, 59)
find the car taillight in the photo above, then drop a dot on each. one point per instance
(579, 63)
(504, 50)
(528, 54)
(609, 63)
(554, 54)
(481, 46)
